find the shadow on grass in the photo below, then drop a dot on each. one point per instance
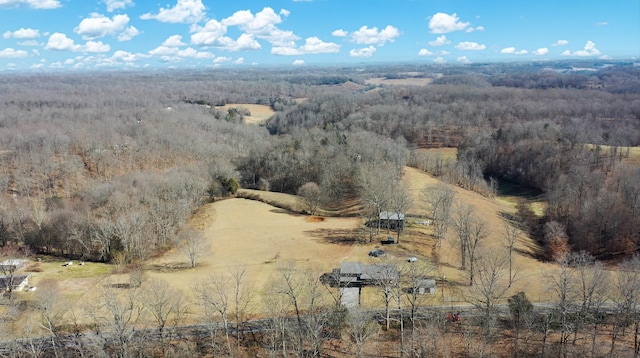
(168, 267)
(338, 236)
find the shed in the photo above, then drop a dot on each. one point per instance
(18, 282)
(391, 220)
(11, 265)
(426, 286)
(359, 274)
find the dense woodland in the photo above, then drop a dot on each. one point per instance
(110, 166)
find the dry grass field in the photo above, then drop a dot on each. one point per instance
(411, 81)
(259, 113)
(264, 238)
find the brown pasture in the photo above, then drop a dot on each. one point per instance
(259, 113)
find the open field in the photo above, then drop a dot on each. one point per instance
(259, 113)
(263, 238)
(411, 81)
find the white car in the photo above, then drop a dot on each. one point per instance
(412, 259)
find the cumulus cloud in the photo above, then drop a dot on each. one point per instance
(113, 5)
(208, 34)
(513, 51)
(588, 50)
(340, 33)
(470, 46)
(97, 26)
(560, 43)
(239, 61)
(363, 52)
(313, 45)
(184, 11)
(173, 41)
(371, 36)
(541, 51)
(425, 52)
(440, 41)
(463, 60)
(60, 42)
(12, 53)
(439, 60)
(472, 29)
(262, 25)
(34, 4)
(298, 63)
(442, 23)
(23, 33)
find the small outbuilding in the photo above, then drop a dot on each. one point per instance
(391, 220)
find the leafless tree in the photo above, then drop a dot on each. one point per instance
(471, 232)
(401, 202)
(490, 287)
(440, 197)
(214, 297)
(193, 245)
(627, 301)
(51, 307)
(511, 238)
(12, 256)
(361, 329)
(312, 196)
(164, 303)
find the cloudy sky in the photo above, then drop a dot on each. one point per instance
(39, 35)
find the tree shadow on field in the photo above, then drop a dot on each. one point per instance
(168, 267)
(338, 236)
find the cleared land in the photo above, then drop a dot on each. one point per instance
(259, 113)
(411, 81)
(263, 238)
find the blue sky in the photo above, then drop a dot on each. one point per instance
(39, 35)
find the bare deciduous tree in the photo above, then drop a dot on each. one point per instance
(193, 245)
(361, 329)
(440, 197)
(312, 196)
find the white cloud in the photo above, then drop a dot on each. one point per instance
(463, 60)
(34, 4)
(439, 60)
(11, 53)
(472, 29)
(602, 23)
(95, 46)
(164, 51)
(440, 41)
(340, 33)
(128, 34)
(23, 33)
(29, 43)
(97, 26)
(36, 66)
(239, 61)
(560, 43)
(470, 46)
(313, 45)
(222, 59)
(298, 63)
(184, 11)
(588, 50)
(173, 41)
(113, 5)
(512, 51)
(208, 34)
(363, 52)
(60, 42)
(442, 23)
(262, 25)
(371, 36)
(425, 52)
(541, 51)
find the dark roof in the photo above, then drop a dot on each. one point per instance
(17, 280)
(387, 215)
